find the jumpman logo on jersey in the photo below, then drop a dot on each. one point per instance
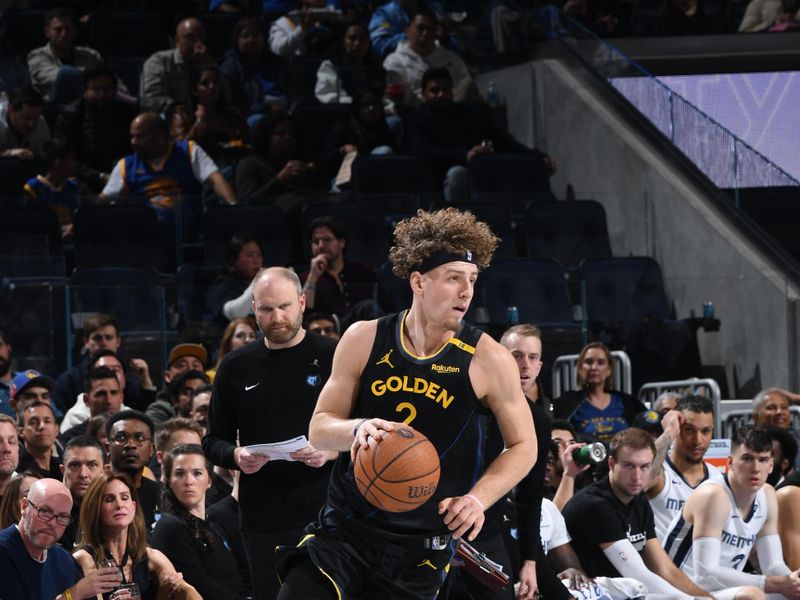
(426, 562)
(385, 360)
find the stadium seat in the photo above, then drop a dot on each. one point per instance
(394, 293)
(133, 294)
(266, 223)
(31, 230)
(130, 34)
(498, 218)
(620, 294)
(128, 70)
(119, 236)
(510, 178)
(14, 172)
(22, 31)
(567, 231)
(219, 31)
(535, 287)
(392, 182)
(366, 226)
(314, 123)
(193, 282)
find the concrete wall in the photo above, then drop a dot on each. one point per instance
(653, 210)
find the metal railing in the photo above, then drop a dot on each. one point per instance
(702, 387)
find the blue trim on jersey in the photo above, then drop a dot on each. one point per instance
(683, 549)
(460, 433)
(751, 513)
(673, 534)
(479, 452)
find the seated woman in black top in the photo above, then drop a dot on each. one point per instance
(596, 411)
(365, 132)
(198, 548)
(275, 172)
(112, 528)
(229, 296)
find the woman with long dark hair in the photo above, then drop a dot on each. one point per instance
(228, 295)
(275, 171)
(113, 532)
(194, 545)
(219, 127)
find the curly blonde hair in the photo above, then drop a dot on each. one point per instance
(449, 229)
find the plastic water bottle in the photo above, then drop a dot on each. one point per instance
(708, 310)
(492, 97)
(512, 315)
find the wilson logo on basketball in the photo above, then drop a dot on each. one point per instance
(421, 491)
(444, 368)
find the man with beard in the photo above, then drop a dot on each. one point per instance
(129, 448)
(31, 565)
(83, 461)
(9, 451)
(673, 479)
(6, 377)
(266, 392)
(96, 126)
(332, 284)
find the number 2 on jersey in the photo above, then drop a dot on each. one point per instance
(737, 560)
(412, 411)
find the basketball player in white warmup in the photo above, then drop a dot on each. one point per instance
(689, 428)
(722, 521)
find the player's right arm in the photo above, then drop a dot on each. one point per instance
(671, 424)
(333, 425)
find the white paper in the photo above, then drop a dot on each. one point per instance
(279, 450)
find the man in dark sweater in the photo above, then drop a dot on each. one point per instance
(449, 134)
(266, 391)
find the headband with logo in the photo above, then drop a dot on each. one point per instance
(441, 257)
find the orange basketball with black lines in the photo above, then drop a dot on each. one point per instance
(400, 472)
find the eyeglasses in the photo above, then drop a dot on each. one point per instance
(47, 515)
(121, 438)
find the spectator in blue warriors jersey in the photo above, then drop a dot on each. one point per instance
(57, 189)
(354, 550)
(164, 172)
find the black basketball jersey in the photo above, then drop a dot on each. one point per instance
(434, 395)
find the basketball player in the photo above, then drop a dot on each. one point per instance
(689, 426)
(426, 368)
(723, 521)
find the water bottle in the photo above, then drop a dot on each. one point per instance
(708, 310)
(590, 454)
(492, 97)
(512, 315)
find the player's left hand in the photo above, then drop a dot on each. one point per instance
(462, 514)
(311, 456)
(528, 586)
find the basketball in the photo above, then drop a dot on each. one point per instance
(399, 473)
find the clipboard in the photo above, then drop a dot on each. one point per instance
(481, 568)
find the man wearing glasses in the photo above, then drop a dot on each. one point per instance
(31, 565)
(130, 447)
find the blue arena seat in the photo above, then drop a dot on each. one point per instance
(511, 178)
(193, 282)
(567, 231)
(119, 236)
(267, 224)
